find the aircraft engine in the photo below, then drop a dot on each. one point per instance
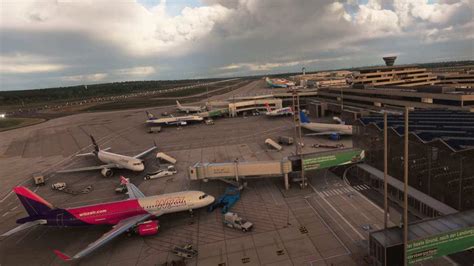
(106, 172)
(148, 228)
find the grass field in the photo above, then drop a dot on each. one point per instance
(161, 100)
(11, 123)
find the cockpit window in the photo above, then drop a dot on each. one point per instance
(203, 196)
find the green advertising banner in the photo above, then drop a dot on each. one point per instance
(335, 159)
(440, 245)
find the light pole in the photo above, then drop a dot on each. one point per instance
(297, 124)
(385, 169)
(342, 100)
(405, 189)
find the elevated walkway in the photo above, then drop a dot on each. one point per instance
(261, 169)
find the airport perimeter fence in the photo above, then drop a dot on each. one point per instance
(434, 168)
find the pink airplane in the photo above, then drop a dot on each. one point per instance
(136, 214)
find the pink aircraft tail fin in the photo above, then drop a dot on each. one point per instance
(61, 255)
(268, 107)
(34, 204)
(123, 180)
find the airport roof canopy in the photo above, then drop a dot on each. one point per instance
(426, 228)
(412, 192)
(453, 128)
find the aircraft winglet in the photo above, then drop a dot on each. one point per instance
(61, 255)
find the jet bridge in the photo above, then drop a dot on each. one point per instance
(236, 170)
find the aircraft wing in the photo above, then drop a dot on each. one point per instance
(133, 191)
(24, 226)
(138, 156)
(117, 230)
(90, 168)
(85, 154)
(90, 153)
(324, 133)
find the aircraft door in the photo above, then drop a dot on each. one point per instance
(60, 219)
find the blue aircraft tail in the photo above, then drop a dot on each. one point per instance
(303, 117)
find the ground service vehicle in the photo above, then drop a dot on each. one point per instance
(154, 130)
(234, 221)
(226, 201)
(161, 173)
(285, 140)
(58, 186)
(38, 179)
(273, 144)
(165, 157)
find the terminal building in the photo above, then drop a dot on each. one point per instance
(240, 107)
(395, 97)
(441, 154)
(441, 183)
(404, 76)
(394, 87)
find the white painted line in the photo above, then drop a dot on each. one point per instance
(341, 216)
(358, 187)
(14, 208)
(36, 189)
(330, 193)
(338, 191)
(369, 201)
(5, 214)
(346, 190)
(325, 194)
(327, 226)
(366, 187)
(8, 195)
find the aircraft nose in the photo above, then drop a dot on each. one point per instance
(210, 199)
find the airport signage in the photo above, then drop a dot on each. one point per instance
(440, 245)
(327, 160)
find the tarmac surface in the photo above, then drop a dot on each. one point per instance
(327, 223)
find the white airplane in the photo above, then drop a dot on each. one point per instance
(189, 109)
(137, 214)
(179, 120)
(112, 161)
(334, 131)
(279, 111)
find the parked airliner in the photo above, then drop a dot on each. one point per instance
(333, 130)
(172, 120)
(279, 111)
(189, 109)
(112, 161)
(137, 214)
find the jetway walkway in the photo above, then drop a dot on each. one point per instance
(237, 170)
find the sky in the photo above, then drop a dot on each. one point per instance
(72, 42)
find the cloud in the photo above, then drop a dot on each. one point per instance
(85, 78)
(71, 41)
(135, 72)
(23, 64)
(129, 25)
